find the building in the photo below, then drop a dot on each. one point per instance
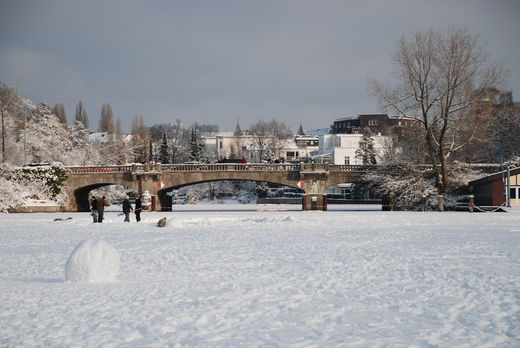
(491, 190)
(243, 144)
(379, 124)
(299, 149)
(341, 148)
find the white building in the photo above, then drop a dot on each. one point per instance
(300, 148)
(242, 144)
(341, 148)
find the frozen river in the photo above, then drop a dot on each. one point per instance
(233, 276)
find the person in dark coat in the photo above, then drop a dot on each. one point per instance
(138, 208)
(93, 208)
(127, 208)
(101, 204)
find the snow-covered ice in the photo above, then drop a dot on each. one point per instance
(246, 278)
(93, 261)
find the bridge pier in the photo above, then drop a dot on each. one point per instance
(314, 201)
(149, 182)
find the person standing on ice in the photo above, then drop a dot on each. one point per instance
(101, 204)
(127, 208)
(138, 208)
(93, 208)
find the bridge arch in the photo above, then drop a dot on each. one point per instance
(81, 195)
(164, 200)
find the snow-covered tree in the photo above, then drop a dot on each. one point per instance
(82, 150)
(9, 99)
(366, 152)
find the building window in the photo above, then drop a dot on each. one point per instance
(347, 161)
(244, 148)
(290, 154)
(372, 123)
(512, 193)
(220, 144)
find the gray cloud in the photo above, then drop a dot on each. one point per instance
(214, 62)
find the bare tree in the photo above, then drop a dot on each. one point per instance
(260, 132)
(119, 130)
(59, 110)
(238, 142)
(140, 139)
(270, 136)
(106, 122)
(442, 79)
(279, 132)
(8, 100)
(81, 114)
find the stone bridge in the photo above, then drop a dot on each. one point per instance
(158, 179)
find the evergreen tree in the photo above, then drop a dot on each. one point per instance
(150, 151)
(195, 148)
(366, 152)
(164, 153)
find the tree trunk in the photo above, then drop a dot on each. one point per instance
(444, 167)
(3, 135)
(433, 159)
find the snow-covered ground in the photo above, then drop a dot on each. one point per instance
(273, 279)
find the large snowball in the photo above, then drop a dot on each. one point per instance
(93, 261)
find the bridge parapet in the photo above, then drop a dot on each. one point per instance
(351, 168)
(99, 169)
(218, 167)
(229, 167)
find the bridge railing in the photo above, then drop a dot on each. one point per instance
(351, 168)
(228, 167)
(262, 167)
(99, 169)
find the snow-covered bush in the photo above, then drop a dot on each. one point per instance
(51, 178)
(12, 194)
(245, 197)
(93, 261)
(403, 185)
(195, 194)
(262, 189)
(43, 183)
(406, 186)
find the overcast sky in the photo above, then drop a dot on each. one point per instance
(218, 61)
